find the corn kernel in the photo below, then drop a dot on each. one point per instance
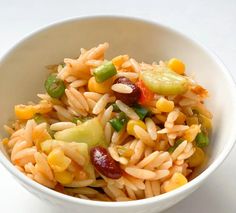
(176, 65)
(191, 133)
(132, 123)
(164, 105)
(197, 158)
(64, 177)
(104, 87)
(58, 161)
(180, 119)
(176, 181)
(24, 112)
(119, 60)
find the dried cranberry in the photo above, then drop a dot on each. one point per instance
(130, 98)
(104, 163)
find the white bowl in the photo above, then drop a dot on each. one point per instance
(23, 73)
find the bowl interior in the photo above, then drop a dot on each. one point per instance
(23, 70)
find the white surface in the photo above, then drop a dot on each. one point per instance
(212, 22)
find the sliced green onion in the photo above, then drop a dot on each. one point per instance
(104, 72)
(119, 122)
(141, 111)
(202, 140)
(116, 124)
(38, 118)
(177, 143)
(115, 107)
(75, 119)
(55, 87)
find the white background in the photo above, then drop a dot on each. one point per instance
(213, 22)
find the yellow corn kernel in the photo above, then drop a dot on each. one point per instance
(191, 133)
(132, 123)
(119, 60)
(58, 161)
(197, 158)
(180, 119)
(24, 112)
(104, 87)
(176, 181)
(176, 65)
(164, 105)
(64, 177)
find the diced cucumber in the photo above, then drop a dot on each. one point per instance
(90, 132)
(164, 81)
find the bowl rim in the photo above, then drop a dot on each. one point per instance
(195, 182)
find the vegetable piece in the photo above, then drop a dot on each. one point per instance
(75, 120)
(24, 112)
(146, 95)
(197, 158)
(115, 107)
(177, 143)
(64, 177)
(176, 65)
(176, 181)
(205, 122)
(104, 72)
(104, 87)
(130, 98)
(81, 148)
(141, 111)
(164, 82)
(104, 163)
(58, 161)
(119, 122)
(119, 60)
(202, 140)
(39, 118)
(132, 123)
(164, 105)
(90, 132)
(54, 86)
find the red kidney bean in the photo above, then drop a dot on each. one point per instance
(130, 98)
(104, 163)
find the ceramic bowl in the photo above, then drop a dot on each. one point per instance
(23, 72)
